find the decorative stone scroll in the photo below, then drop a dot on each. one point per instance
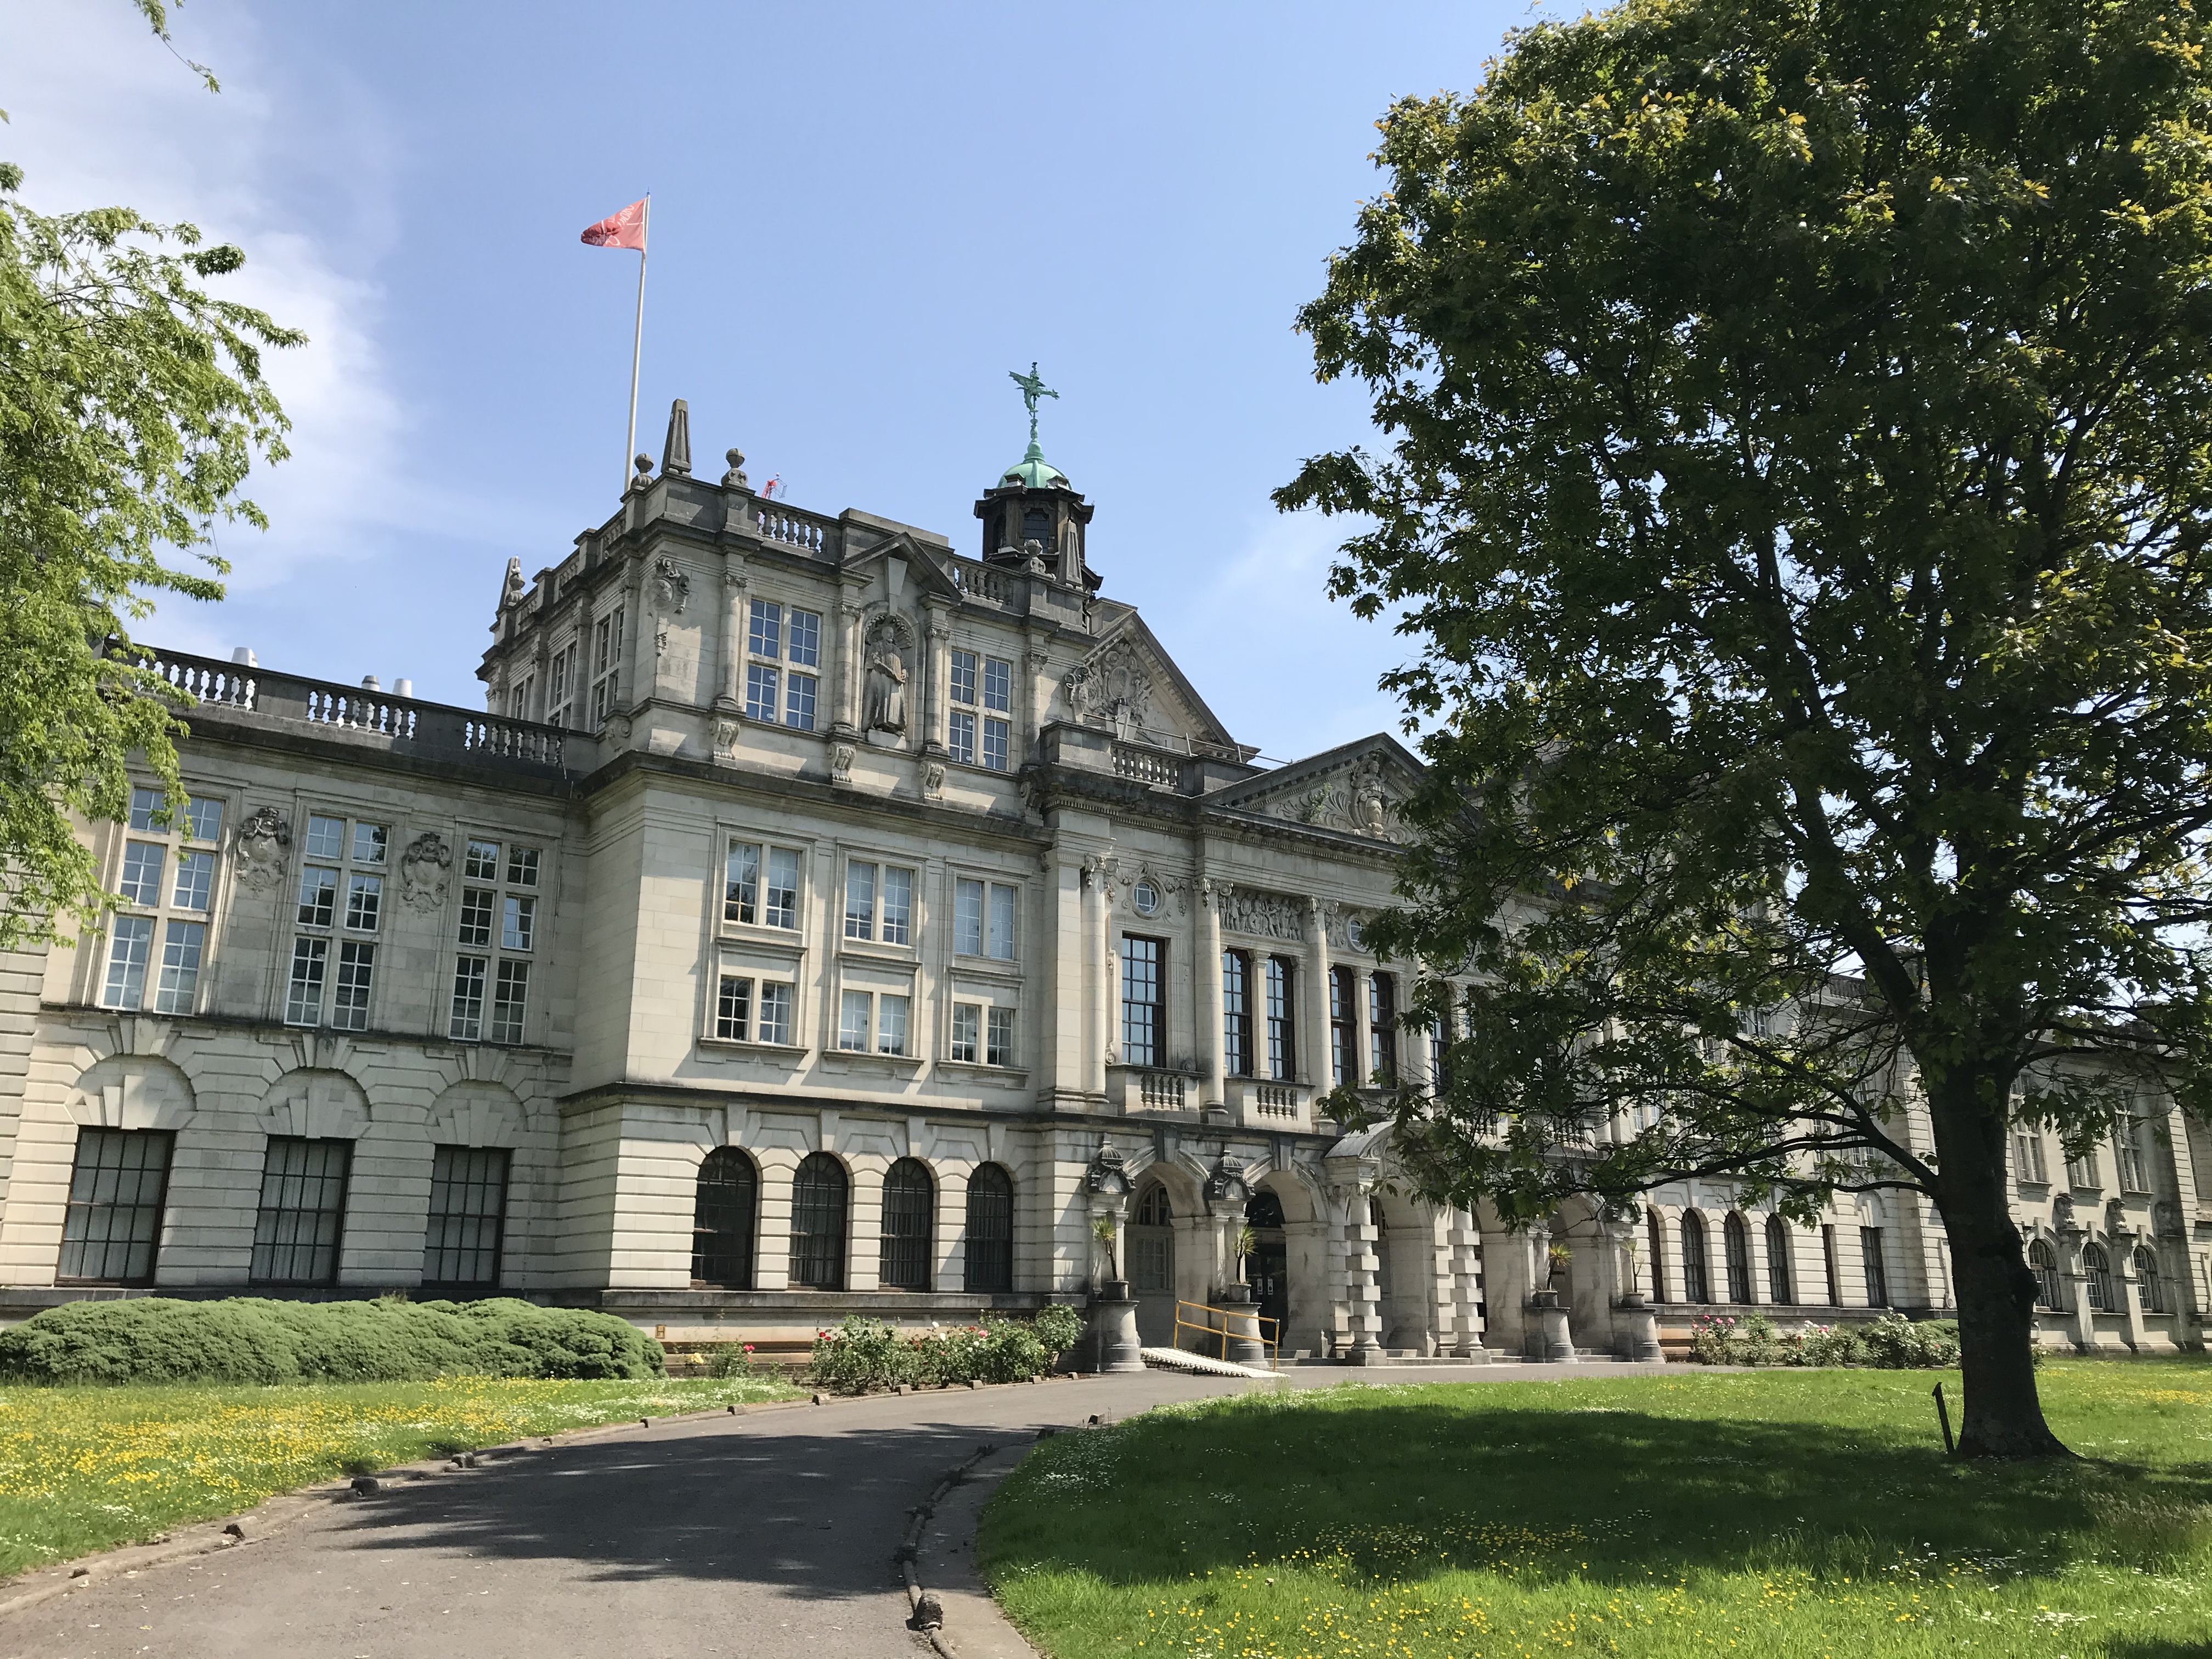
(671, 586)
(262, 840)
(1110, 687)
(423, 869)
(1269, 915)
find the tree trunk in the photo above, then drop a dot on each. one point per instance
(2003, 1416)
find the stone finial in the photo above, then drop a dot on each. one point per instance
(511, 592)
(735, 477)
(675, 452)
(644, 465)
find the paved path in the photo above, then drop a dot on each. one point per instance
(759, 1537)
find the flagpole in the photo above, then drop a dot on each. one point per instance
(637, 345)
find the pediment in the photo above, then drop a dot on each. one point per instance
(924, 570)
(1128, 684)
(1354, 789)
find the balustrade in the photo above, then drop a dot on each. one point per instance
(793, 528)
(1146, 767)
(979, 581)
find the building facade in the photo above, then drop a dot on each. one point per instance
(820, 919)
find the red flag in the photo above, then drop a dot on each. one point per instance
(623, 229)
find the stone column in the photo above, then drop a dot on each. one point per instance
(1036, 695)
(642, 672)
(1463, 1248)
(2070, 1241)
(1314, 1054)
(1207, 976)
(937, 673)
(730, 698)
(772, 1245)
(1358, 1334)
(1094, 958)
(848, 717)
(2123, 1281)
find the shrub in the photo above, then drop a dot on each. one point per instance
(861, 1354)
(1895, 1343)
(258, 1340)
(1012, 1352)
(1833, 1345)
(730, 1359)
(1059, 1329)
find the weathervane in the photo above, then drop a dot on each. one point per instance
(1033, 387)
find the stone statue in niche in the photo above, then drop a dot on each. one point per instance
(262, 840)
(423, 869)
(883, 707)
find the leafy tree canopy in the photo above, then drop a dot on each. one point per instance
(132, 403)
(1800, 426)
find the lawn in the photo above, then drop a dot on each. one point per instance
(1794, 1514)
(83, 1468)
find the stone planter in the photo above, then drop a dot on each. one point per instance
(1639, 1330)
(1240, 1321)
(1549, 1336)
(1113, 1333)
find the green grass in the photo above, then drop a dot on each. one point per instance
(85, 1468)
(1790, 1515)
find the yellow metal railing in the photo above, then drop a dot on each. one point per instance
(1270, 1330)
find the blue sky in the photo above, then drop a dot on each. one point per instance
(864, 215)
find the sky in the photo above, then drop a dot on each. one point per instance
(864, 216)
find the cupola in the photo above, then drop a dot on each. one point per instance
(1033, 501)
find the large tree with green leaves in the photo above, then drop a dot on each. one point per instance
(1800, 460)
(132, 405)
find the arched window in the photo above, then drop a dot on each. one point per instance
(1151, 1245)
(1780, 1287)
(722, 1220)
(909, 1227)
(2098, 1266)
(1655, 1242)
(1696, 1287)
(2151, 1292)
(2042, 1262)
(990, 1229)
(1735, 1247)
(818, 1192)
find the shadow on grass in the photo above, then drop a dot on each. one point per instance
(1404, 1488)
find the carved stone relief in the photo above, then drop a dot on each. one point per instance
(841, 762)
(1345, 925)
(1168, 892)
(932, 780)
(670, 586)
(1110, 687)
(725, 736)
(1269, 915)
(1357, 802)
(423, 869)
(262, 840)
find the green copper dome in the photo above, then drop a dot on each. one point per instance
(1033, 472)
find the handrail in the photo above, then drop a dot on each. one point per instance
(1272, 1343)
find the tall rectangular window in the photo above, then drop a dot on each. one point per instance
(764, 637)
(1343, 1027)
(806, 639)
(130, 944)
(303, 996)
(168, 886)
(741, 883)
(999, 1040)
(356, 967)
(510, 996)
(853, 1014)
(112, 1228)
(1236, 1013)
(960, 735)
(300, 1225)
(339, 913)
(468, 1213)
(2027, 1154)
(890, 1024)
(1282, 1023)
(799, 692)
(879, 902)
(760, 692)
(774, 637)
(859, 900)
(2131, 1150)
(781, 908)
(1877, 1277)
(1440, 1045)
(606, 665)
(182, 947)
(2082, 1172)
(1832, 1266)
(1000, 942)
(967, 1032)
(977, 726)
(775, 1003)
(983, 919)
(561, 685)
(734, 1009)
(497, 931)
(1383, 1029)
(1144, 1000)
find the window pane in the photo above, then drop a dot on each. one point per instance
(468, 1210)
(806, 632)
(1282, 1049)
(817, 1224)
(482, 862)
(775, 1010)
(990, 1230)
(1235, 1013)
(860, 901)
(998, 683)
(799, 701)
(195, 881)
(319, 895)
(476, 916)
(325, 838)
(468, 998)
(203, 820)
(350, 1000)
(722, 1220)
(368, 843)
(853, 1017)
(968, 918)
(296, 1233)
(1002, 922)
(996, 744)
(963, 676)
(782, 888)
(510, 993)
(764, 638)
(141, 873)
(130, 941)
(890, 1025)
(364, 900)
(1141, 1026)
(303, 1000)
(518, 923)
(967, 1021)
(740, 887)
(734, 1009)
(112, 1228)
(760, 693)
(898, 905)
(908, 1227)
(1001, 1050)
(960, 737)
(180, 967)
(522, 867)
(145, 803)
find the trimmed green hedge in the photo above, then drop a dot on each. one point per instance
(256, 1339)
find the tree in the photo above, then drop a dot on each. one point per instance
(1800, 423)
(131, 406)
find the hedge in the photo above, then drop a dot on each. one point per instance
(865, 1353)
(256, 1339)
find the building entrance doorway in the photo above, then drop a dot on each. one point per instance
(1268, 1269)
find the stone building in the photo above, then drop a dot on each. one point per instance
(822, 919)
